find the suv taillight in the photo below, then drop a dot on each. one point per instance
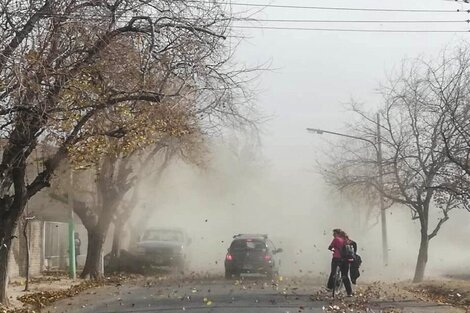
(267, 258)
(229, 257)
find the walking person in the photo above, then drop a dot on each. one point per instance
(336, 246)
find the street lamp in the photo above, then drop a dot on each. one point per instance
(378, 149)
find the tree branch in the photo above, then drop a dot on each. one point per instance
(23, 33)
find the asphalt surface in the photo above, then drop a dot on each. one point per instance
(200, 295)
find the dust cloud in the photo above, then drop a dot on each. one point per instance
(240, 191)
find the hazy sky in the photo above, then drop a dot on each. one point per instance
(316, 73)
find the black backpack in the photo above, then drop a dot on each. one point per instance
(347, 252)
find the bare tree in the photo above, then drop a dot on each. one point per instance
(451, 80)
(55, 80)
(415, 162)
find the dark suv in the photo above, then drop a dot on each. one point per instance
(252, 254)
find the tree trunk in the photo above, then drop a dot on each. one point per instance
(97, 229)
(92, 267)
(10, 212)
(4, 254)
(7, 231)
(110, 193)
(422, 256)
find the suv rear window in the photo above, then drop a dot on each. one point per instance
(244, 244)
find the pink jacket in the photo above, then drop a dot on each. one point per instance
(336, 245)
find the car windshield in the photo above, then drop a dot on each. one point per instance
(248, 244)
(163, 235)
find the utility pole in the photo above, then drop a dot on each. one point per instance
(72, 264)
(383, 216)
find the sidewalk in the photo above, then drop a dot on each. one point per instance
(449, 291)
(42, 289)
(45, 290)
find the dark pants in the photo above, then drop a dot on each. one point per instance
(344, 267)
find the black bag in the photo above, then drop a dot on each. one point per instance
(355, 273)
(347, 252)
(357, 261)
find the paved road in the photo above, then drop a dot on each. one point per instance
(216, 295)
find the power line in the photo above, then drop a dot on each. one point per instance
(344, 8)
(340, 8)
(98, 18)
(83, 18)
(352, 30)
(93, 17)
(90, 17)
(349, 21)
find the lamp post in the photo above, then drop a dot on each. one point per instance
(378, 149)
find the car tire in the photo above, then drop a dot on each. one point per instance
(228, 274)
